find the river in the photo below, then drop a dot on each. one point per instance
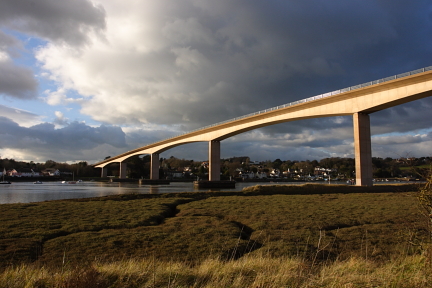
(26, 192)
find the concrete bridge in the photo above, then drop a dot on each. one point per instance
(358, 101)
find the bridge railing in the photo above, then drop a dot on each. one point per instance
(402, 75)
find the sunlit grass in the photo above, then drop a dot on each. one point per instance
(249, 271)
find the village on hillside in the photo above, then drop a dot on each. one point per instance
(235, 168)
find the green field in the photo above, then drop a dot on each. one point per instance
(309, 224)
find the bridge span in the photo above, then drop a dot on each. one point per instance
(358, 101)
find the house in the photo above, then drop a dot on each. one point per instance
(171, 174)
(51, 172)
(24, 172)
(246, 175)
(288, 173)
(261, 175)
(13, 173)
(275, 173)
(324, 171)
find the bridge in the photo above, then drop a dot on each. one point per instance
(358, 101)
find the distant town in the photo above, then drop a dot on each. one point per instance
(238, 168)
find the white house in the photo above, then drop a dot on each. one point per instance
(275, 173)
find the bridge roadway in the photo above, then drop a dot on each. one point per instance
(358, 101)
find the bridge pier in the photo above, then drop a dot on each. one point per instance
(154, 166)
(104, 172)
(214, 160)
(123, 167)
(362, 149)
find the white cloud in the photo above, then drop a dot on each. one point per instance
(22, 117)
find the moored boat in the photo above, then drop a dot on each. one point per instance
(4, 182)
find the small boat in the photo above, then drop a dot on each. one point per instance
(73, 180)
(4, 182)
(37, 182)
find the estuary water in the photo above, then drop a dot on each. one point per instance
(26, 192)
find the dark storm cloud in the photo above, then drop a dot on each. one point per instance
(403, 118)
(8, 44)
(277, 52)
(16, 81)
(51, 19)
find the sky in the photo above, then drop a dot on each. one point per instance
(81, 80)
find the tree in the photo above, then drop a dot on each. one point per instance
(50, 164)
(139, 166)
(277, 164)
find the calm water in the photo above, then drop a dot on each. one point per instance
(25, 192)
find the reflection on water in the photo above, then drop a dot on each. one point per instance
(25, 192)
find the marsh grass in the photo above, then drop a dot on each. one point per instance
(291, 237)
(26, 228)
(345, 225)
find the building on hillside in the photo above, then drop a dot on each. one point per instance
(324, 171)
(246, 175)
(275, 173)
(51, 172)
(24, 172)
(261, 175)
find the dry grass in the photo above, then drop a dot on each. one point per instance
(249, 271)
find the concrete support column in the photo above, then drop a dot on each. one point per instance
(104, 172)
(362, 149)
(123, 167)
(214, 161)
(154, 166)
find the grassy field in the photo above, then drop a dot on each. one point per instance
(264, 236)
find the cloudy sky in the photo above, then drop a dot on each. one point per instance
(84, 79)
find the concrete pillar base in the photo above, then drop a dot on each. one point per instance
(123, 167)
(154, 166)
(214, 160)
(363, 150)
(104, 172)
